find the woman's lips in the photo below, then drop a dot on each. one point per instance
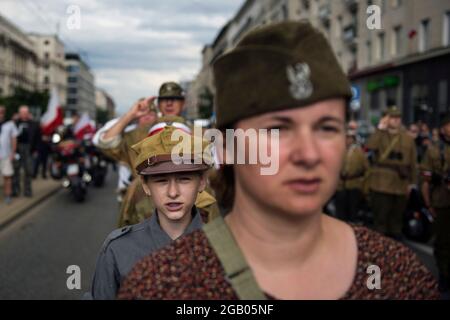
(306, 186)
(174, 206)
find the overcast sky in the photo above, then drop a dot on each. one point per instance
(132, 46)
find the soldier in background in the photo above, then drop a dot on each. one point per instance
(393, 174)
(350, 196)
(436, 193)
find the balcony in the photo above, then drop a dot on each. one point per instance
(324, 14)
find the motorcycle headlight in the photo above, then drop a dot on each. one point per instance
(56, 138)
(87, 177)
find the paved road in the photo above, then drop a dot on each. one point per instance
(36, 250)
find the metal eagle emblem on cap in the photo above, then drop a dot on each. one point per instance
(299, 78)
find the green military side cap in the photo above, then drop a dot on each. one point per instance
(171, 90)
(276, 67)
(394, 111)
(172, 150)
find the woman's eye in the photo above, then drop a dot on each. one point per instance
(330, 129)
(277, 127)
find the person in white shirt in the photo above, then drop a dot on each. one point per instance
(8, 142)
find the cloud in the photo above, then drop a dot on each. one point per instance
(132, 46)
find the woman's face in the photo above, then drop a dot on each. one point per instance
(311, 151)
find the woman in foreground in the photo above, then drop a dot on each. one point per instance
(275, 242)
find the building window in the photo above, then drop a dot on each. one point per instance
(72, 101)
(443, 96)
(72, 79)
(424, 35)
(381, 47)
(383, 6)
(46, 80)
(284, 11)
(339, 27)
(73, 68)
(396, 3)
(72, 90)
(446, 30)
(306, 4)
(369, 52)
(46, 55)
(397, 41)
(46, 42)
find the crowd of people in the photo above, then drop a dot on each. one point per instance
(23, 150)
(194, 231)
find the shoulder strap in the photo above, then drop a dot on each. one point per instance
(442, 154)
(237, 271)
(389, 148)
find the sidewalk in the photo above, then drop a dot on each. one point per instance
(42, 189)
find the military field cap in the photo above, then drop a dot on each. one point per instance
(154, 153)
(171, 90)
(394, 111)
(281, 66)
(446, 120)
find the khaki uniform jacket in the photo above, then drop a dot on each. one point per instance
(355, 169)
(386, 179)
(440, 195)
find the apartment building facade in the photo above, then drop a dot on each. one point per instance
(80, 86)
(404, 62)
(51, 69)
(18, 60)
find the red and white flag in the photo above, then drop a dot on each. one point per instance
(53, 117)
(85, 127)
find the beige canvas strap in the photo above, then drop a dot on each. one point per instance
(389, 148)
(237, 271)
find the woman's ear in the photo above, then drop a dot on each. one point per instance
(203, 181)
(145, 186)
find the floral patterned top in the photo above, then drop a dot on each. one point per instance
(190, 269)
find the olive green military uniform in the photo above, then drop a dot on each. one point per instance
(393, 169)
(136, 206)
(350, 192)
(436, 169)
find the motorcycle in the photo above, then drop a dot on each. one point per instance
(96, 164)
(69, 164)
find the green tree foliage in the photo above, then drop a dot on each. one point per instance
(33, 99)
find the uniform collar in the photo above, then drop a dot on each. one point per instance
(162, 238)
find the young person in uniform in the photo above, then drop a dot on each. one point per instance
(174, 189)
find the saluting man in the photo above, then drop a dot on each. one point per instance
(393, 174)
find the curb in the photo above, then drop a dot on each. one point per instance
(20, 211)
